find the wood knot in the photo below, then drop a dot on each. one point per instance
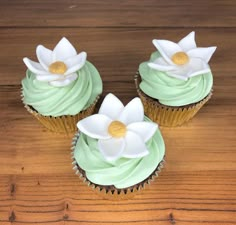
(65, 217)
(12, 217)
(12, 189)
(171, 218)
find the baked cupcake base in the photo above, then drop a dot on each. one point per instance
(111, 192)
(169, 116)
(62, 124)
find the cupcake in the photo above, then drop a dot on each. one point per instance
(176, 82)
(62, 88)
(119, 150)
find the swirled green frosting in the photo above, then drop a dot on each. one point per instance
(123, 172)
(171, 91)
(68, 100)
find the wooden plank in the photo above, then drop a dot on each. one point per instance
(116, 53)
(174, 196)
(26, 147)
(131, 13)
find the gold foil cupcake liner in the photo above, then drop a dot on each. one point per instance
(62, 124)
(114, 194)
(167, 115)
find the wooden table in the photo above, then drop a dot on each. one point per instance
(37, 183)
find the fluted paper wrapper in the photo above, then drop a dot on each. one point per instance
(62, 124)
(114, 194)
(167, 115)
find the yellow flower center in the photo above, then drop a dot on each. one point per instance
(58, 67)
(180, 58)
(117, 129)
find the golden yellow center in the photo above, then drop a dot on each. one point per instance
(117, 129)
(180, 58)
(58, 67)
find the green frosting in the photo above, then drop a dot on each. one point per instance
(171, 91)
(123, 172)
(68, 100)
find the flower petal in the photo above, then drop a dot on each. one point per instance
(134, 146)
(64, 80)
(167, 49)
(95, 126)
(188, 42)
(44, 56)
(75, 63)
(112, 148)
(34, 66)
(196, 66)
(161, 65)
(133, 112)
(202, 53)
(178, 76)
(111, 107)
(144, 129)
(180, 73)
(48, 77)
(63, 50)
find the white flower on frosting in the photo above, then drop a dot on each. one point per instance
(58, 67)
(121, 131)
(182, 60)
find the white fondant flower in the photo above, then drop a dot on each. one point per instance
(58, 67)
(182, 60)
(121, 131)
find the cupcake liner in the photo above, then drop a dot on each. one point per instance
(62, 124)
(168, 115)
(106, 192)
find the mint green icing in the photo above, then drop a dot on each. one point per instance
(171, 91)
(123, 172)
(68, 100)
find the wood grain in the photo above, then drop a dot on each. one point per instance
(37, 183)
(116, 52)
(106, 13)
(211, 149)
(176, 196)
